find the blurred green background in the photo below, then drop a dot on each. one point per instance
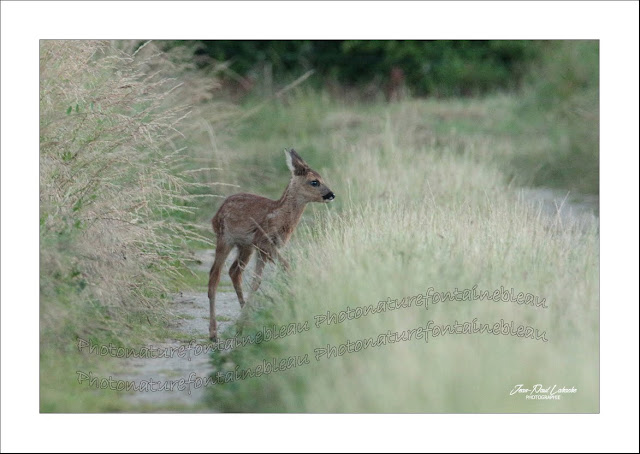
(433, 68)
(557, 83)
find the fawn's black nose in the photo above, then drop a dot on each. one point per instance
(329, 197)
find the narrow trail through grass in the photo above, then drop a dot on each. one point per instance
(188, 352)
(187, 347)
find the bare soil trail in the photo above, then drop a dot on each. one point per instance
(185, 359)
(563, 206)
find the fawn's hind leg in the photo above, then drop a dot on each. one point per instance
(222, 251)
(235, 272)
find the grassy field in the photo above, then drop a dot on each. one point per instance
(428, 201)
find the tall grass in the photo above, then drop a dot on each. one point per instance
(116, 198)
(419, 211)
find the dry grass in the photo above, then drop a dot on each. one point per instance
(128, 143)
(117, 182)
(104, 168)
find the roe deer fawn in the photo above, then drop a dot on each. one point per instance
(250, 221)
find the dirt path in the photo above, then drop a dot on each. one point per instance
(184, 358)
(564, 206)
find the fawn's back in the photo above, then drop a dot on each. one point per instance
(241, 218)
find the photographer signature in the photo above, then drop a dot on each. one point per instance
(542, 390)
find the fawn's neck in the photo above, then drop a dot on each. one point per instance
(290, 208)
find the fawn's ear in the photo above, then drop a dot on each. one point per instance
(295, 163)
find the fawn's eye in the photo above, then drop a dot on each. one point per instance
(314, 183)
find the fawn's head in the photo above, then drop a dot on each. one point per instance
(305, 182)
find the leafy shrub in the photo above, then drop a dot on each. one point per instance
(441, 68)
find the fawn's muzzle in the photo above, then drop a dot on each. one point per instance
(329, 196)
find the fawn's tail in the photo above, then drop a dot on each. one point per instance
(216, 223)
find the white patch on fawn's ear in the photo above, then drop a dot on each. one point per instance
(289, 160)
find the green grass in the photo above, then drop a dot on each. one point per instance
(60, 391)
(427, 197)
(561, 105)
(61, 358)
(531, 144)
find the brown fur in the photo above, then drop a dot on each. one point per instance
(396, 86)
(249, 221)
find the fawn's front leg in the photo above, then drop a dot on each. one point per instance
(283, 261)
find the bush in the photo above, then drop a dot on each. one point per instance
(439, 68)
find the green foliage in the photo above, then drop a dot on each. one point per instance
(437, 68)
(442, 68)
